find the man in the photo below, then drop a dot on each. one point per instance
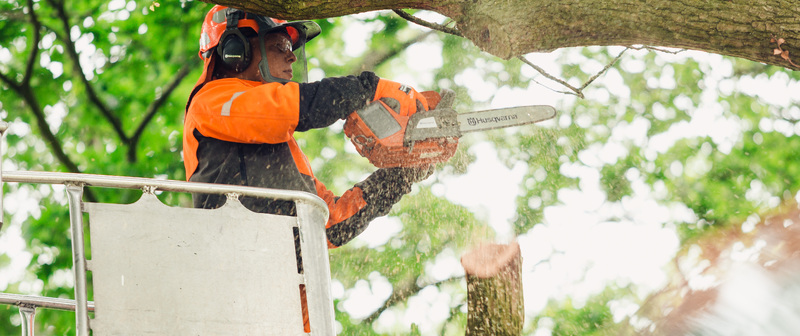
(242, 114)
(243, 111)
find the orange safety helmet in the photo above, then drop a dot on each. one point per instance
(225, 31)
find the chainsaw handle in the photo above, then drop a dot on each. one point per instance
(443, 99)
(432, 97)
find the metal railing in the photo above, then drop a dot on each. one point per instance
(28, 304)
(312, 213)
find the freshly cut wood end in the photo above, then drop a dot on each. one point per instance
(487, 260)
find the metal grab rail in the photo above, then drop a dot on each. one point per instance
(40, 302)
(127, 182)
(305, 202)
(27, 305)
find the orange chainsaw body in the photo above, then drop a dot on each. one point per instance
(378, 133)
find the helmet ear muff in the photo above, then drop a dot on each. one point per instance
(234, 47)
(234, 51)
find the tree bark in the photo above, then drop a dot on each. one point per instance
(509, 28)
(494, 290)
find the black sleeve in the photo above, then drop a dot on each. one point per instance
(323, 103)
(381, 190)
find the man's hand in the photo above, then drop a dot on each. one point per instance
(403, 99)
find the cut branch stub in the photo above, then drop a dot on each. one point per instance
(494, 290)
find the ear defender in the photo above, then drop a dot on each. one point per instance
(234, 48)
(234, 51)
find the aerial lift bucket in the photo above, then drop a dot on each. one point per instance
(161, 270)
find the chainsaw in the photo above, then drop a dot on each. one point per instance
(388, 139)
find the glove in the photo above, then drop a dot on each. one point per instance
(403, 99)
(416, 174)
(386, 186)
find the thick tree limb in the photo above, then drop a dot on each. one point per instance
(738, 28)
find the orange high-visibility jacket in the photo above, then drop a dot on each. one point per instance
(241, 133)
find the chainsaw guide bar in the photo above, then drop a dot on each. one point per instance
(444, 122)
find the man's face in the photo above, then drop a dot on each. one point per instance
(279, 55)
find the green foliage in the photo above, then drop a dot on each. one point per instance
(614, 182)
(544, 150)
(414, 330)
(130, 54)
(430, 225)
(593, 318)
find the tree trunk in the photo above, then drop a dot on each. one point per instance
(509, 28)
(494, 290)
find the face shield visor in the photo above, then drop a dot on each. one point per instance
(299, 32)
(300, 67)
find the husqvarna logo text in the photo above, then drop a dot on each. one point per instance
(492, 120)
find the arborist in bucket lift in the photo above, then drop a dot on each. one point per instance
(243, 112)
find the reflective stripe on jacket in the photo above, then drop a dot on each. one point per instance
(241, 133)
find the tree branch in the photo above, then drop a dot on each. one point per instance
(657, 49)
(431, 25)
(544, 72)
(49, 137)
(41, 123)
(25, 91)
(156, 105)
(375, 59)
(14, 85)
(575, 91)
(408, 289)
(14, 14)
(608, 66)
(93, 96)
(37, 36)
